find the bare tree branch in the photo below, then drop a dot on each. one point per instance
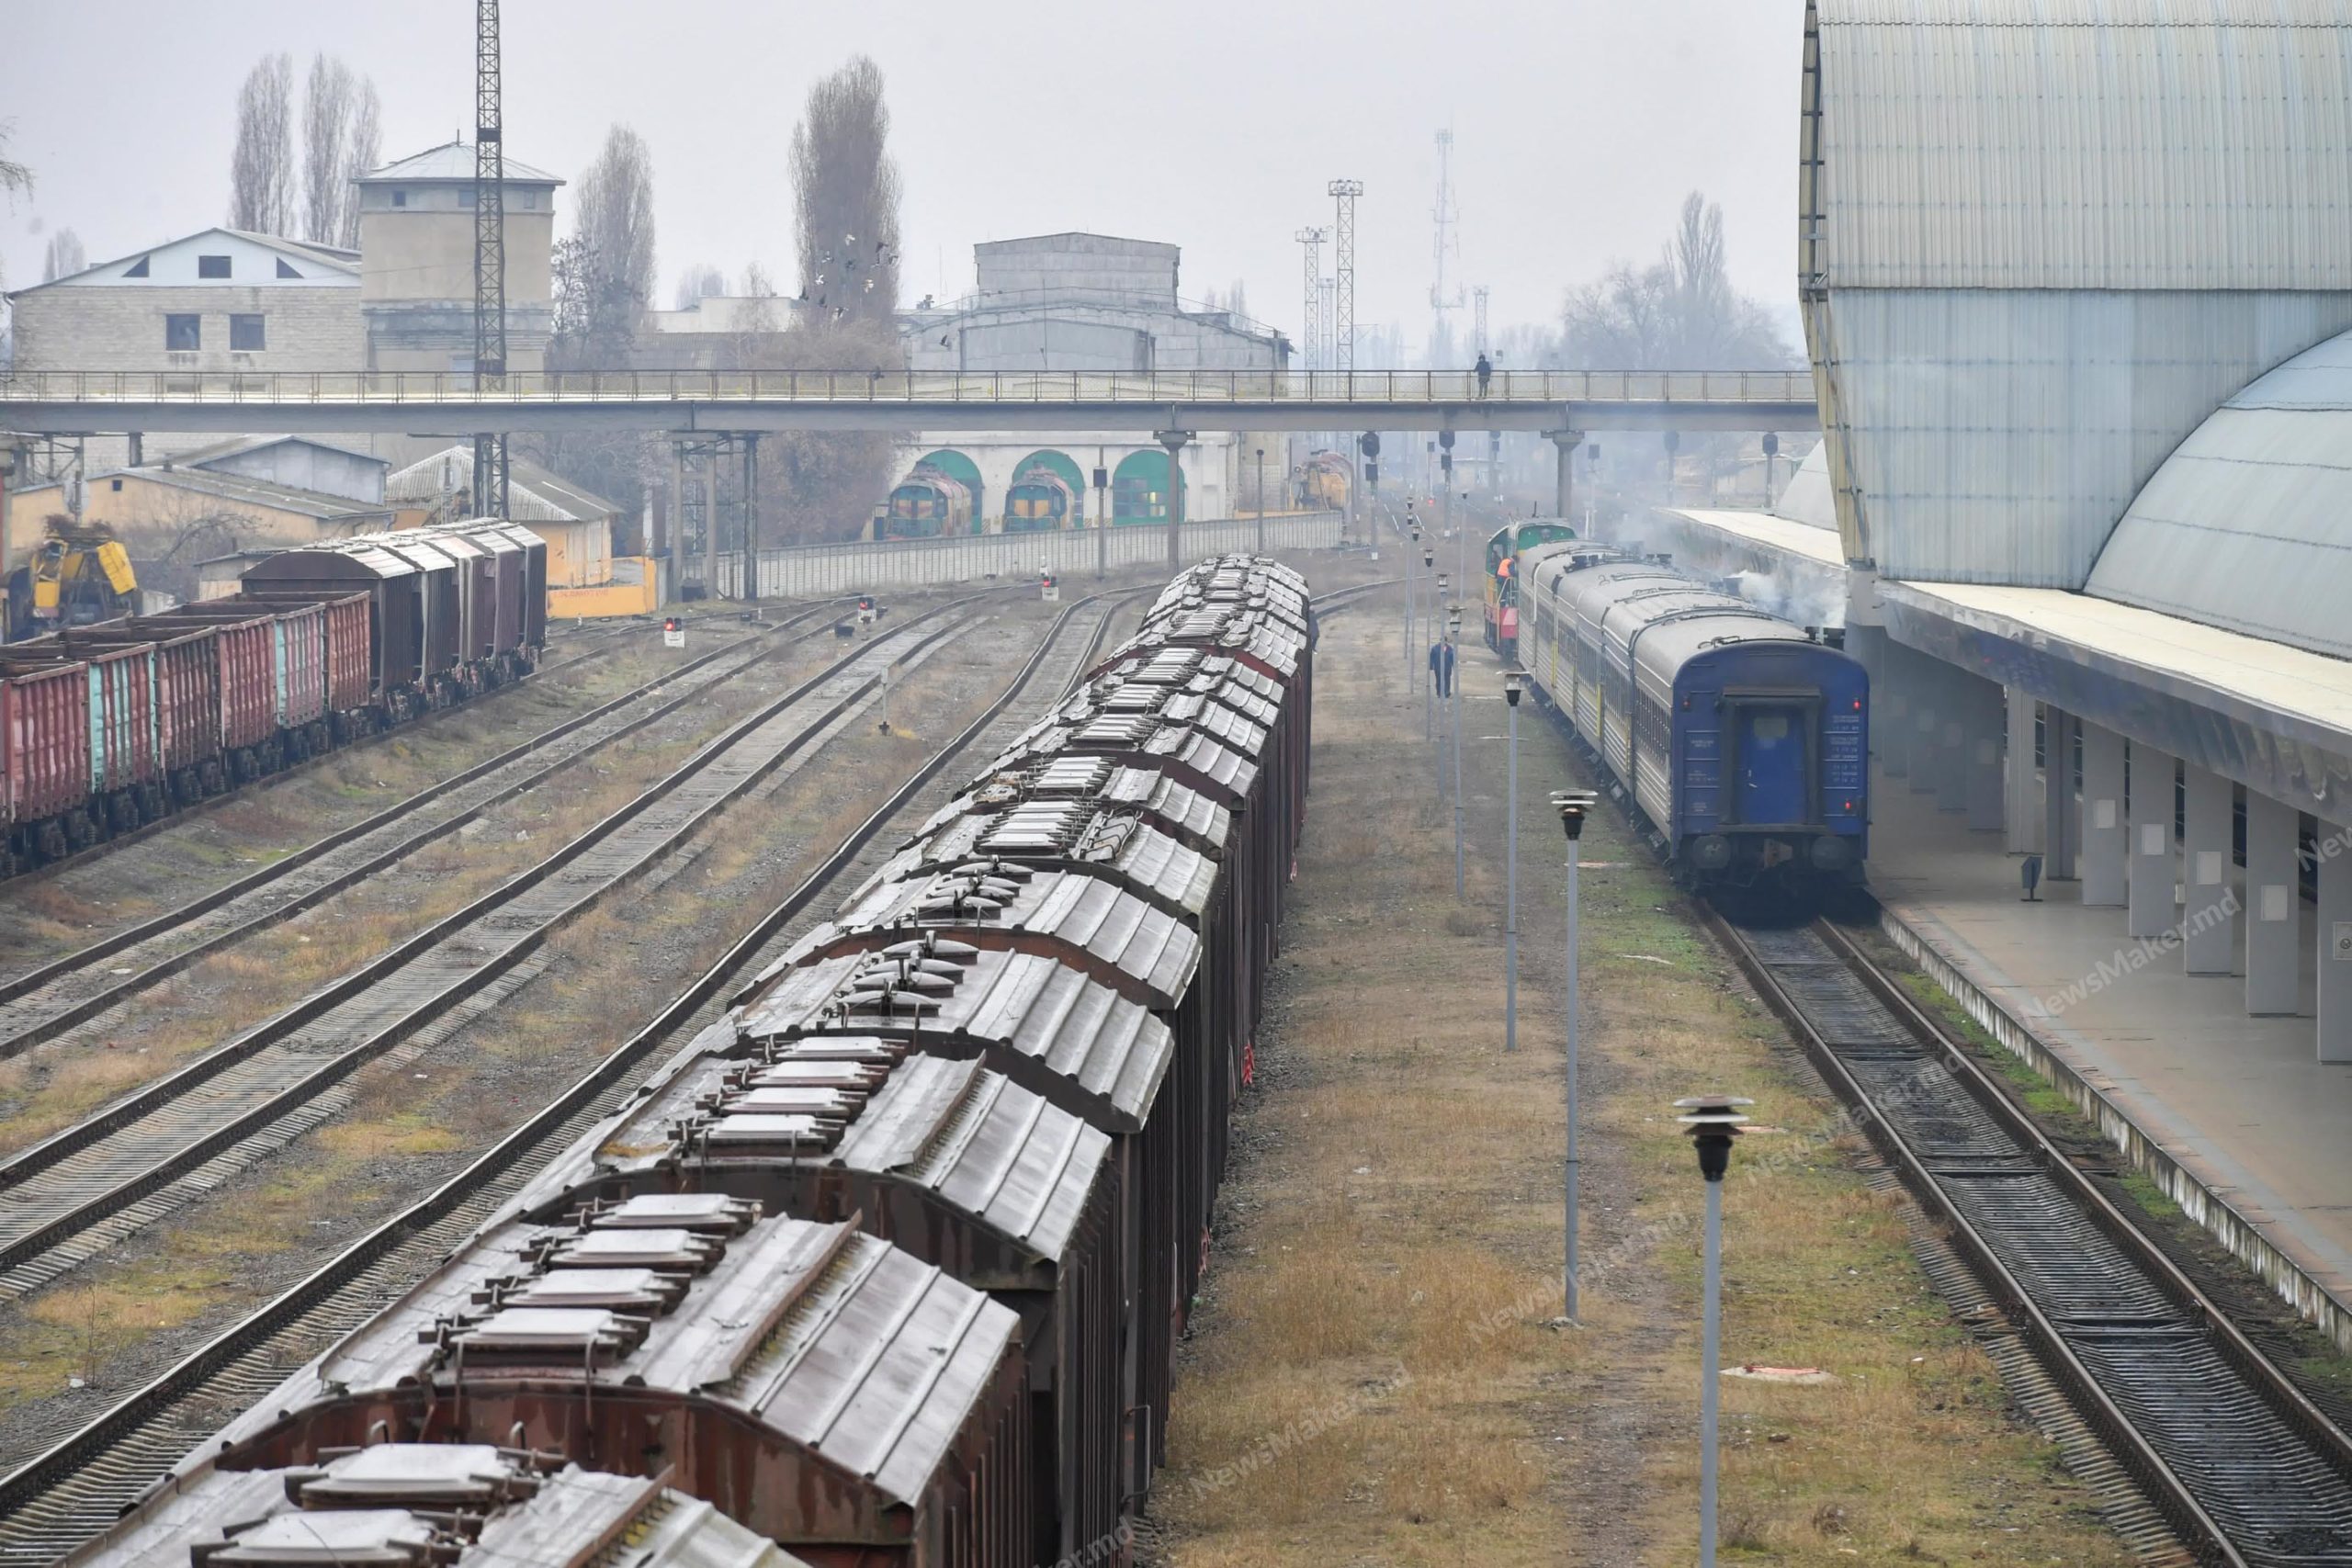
(605, 272)
(65, 256)
(846, 193)
(261, 170)
(14, 176)
(361, 153)
(327, 125)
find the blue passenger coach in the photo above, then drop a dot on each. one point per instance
(1741, 738)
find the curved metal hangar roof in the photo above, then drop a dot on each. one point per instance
(2248, 524)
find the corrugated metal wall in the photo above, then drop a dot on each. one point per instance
(2044, 239)
(1997, 435)
(2250, 525)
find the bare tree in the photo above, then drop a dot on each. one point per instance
(327, 105)
(261, 170)
(1679, 313)
(65, 256)
(362, 151)
(698, 282)
(846, 193)
(616, 212)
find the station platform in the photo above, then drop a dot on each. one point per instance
(2230, 1114)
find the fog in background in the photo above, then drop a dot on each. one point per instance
(1579, 127)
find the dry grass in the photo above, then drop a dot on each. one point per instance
(1375, 1379)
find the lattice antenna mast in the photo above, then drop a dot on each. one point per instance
(1448, 245)
(1344, 311)
(1310, 333)
(1478, 320)
(489, 256)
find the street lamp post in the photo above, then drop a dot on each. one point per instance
(1514, 681)
(1572, 805)
(1714, 1123)
(1429, 706)
(1453, 642)
(1262, 501)
(1413, 529)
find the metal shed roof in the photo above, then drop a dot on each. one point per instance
(2244, 527)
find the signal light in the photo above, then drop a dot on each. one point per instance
(670, 624)
(865, 602)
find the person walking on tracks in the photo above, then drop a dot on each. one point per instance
(1486, 372)
(1442, 666)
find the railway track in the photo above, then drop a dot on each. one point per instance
(2229, 1461)
(71, 1196)
(69, 992)
(80, 1485)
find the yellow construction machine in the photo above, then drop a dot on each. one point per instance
(78, 575)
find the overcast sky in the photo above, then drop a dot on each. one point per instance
(1579, 125)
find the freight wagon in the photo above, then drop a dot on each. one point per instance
(890, 1263)
(108, 726)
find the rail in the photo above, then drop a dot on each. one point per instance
(83, 1480)
(1370, 389)
(2215, 1438)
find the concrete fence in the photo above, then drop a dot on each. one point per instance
(815, 572)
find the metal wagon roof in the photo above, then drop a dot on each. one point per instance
(1072, 1038)
(965, 1138)
(827, 1340)
(1080, 918)
(1122, 845)
(410, 1504)
(1165, 801)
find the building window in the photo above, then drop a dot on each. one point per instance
(212, 266)
(247, 334)
(399, 198)
(284, 270)
(136, 269)
(183, 335)
(115, 485)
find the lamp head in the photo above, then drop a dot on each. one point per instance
(1573, 805)
(1514, 682)
(1714, 1121)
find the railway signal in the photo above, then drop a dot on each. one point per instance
(1049, 587)
(1574, 805)
(1714, 1121)
(673, 632)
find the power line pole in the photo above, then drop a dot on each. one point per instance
(489, 257)
(1343, 324)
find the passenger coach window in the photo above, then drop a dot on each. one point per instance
(1770, 727)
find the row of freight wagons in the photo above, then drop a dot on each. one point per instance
(106, 727)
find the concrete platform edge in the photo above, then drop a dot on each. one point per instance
(2289, 1276)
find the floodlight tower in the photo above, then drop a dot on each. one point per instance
(1343, 324)
(1448, 243)
(1310, 341)
(489, 257)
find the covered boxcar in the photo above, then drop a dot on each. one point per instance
(951, 1161)
(813, 1383)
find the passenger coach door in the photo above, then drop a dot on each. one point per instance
(1771, 767)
